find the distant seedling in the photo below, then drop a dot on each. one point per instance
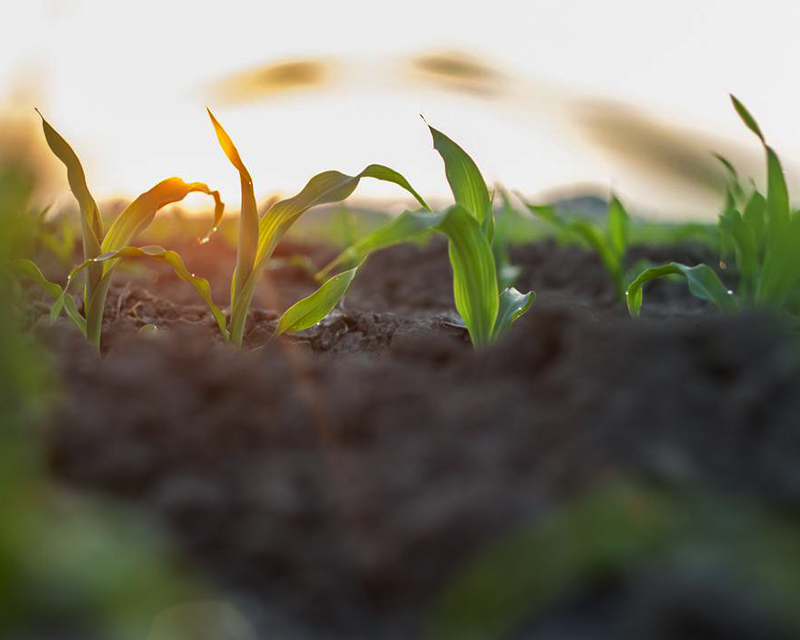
(103, 251)
(761, 234)
(487, 311)
(610, 243)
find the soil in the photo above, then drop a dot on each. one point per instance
(334, 482)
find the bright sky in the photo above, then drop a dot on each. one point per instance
(126, 83)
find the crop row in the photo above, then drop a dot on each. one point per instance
(759, 233)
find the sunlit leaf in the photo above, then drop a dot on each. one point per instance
(703, 283)
(91, 221)
(324, 188)
(248, 216)
(94, 313)
(138, 215)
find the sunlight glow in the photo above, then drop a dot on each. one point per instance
(342, 86)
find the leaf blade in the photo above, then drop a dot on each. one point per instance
(618, 227)
(512, 306)
(138, 215)
(30, 270)
(406, 226)
(465, 179)
(474, 274)
(747, 118)
(313, 308)
(91, 220)
(703, 283)
(248, 215)
(169, 257)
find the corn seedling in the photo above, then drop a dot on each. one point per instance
(761, 233)
(610, 243)
(259, 235)
(103, 250)
(487, 308)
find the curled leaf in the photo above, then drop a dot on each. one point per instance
(703, 283)
(513, 305)
(138, 215)
(30, 271)
(94, 313)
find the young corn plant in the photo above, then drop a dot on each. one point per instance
(487, 308)
(762, 233)
(610, 243)
(259, 235)
(103, 250)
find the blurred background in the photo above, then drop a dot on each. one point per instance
(547, 97)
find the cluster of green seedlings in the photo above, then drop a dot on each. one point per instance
(486, 307)
(760, 234)
(761, 239)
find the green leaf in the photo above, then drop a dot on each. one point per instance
(733, 176)
(138, 215)
(610, 247)
(386, 174)
(737, 233)
(703, 283)
(91, 221)
(324, 188)
(507, 273)
(465, 179)
(406, 226)
(747, 118)
(248, 216)
(778, 208)
(94, 313)
(474, 276)
(754, 217)
(781, 268)
(29, 270)
(618, 227)
(546, 213)
(513, 305)
(312, 309)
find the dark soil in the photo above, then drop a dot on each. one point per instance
(332, 483)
